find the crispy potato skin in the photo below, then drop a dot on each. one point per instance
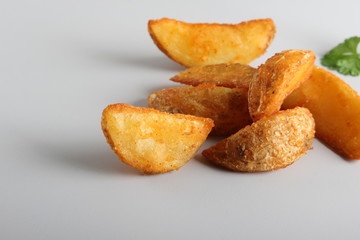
(336, 110)
(226, 106)
(152, 141)
(232, 75)
(194, 44)
(276, 79)
(271, 143)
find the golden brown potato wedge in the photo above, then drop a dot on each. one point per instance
(276, 79)
(336, 110)
(232, 75)
(197, 44)
(271, 143)
(153, 141)
(228, 107)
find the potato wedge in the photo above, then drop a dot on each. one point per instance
(276, 79)
(192, 44)
(228, 107)
(232, 75)
(152, 141)
(336, 110)
(271, 143)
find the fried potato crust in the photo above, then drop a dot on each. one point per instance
(232, 75)
(153, 141)
(336, 110)
(271, 143)
(194, 44)
(276, 79)
(228, 107)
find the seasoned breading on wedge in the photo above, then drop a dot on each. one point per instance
(232, 75)
(194, 44)
(336, 110)
(228, 107)
(276, 79)
(153, 141)
(271, 143)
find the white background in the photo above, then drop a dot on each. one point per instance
(62, 62)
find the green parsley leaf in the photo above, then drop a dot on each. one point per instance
(344, 58)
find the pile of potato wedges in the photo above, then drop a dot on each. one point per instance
(268, 116)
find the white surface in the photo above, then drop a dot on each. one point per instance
(62, 62)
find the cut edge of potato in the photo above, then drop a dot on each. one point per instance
(202, 47)
(152, 141)
(231, 75)
(276, 79)
(228, 107)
